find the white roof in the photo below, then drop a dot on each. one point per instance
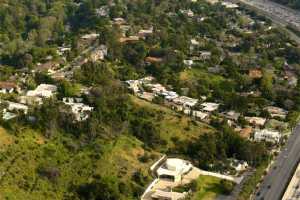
(200, 114)
(90, 36)
(174, 167)
(184, 100)
(210, 107)
(43, 90)
(17, 106)
(268, 135)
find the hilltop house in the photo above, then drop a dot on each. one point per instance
(173, 169)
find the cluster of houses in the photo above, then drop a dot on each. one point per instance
(30, 98)
(145, 89)
(259, 129)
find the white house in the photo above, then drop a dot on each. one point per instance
(200, 115)
(173, 169)
(185, 102)
(238, 165)
(267, 135)
(43, 91)
(210, 107)
(90, 36)
(8, 115)
(188, 63)
(12, 106)
(80, 110)
(133, 85)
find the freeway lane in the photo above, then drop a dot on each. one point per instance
(281, 171)
(279, 12)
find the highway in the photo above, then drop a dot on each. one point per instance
(279, 14)
(281, 171)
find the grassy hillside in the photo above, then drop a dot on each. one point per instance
(22, 163)
(33, 167)
(174, 126)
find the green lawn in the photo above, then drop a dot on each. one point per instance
(208, 188)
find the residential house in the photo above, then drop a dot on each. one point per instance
(119, 21)
(12, 106)
(173, 169)
(80, 110)
(205, 55)
(276, 112)
(133, 85)
(210, 107)
(129, 39)
(156, 88)
(184, 102)
(145, 32)
(99, 53)
(90, 36)
(43, 91)
(199, 115)
(146, 96)
(267, 135)
(169, 95)
(8, 115)
(238, 165)
(232, 115)
(8, 87)
(256, 121)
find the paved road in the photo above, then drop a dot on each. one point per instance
(281, 171)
